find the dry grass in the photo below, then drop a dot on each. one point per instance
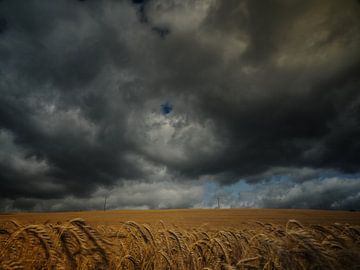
(76, 245)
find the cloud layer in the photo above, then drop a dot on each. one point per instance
(256, 90)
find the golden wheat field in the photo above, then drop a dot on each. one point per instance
(181, 239)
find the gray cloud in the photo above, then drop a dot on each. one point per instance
(258, 90)
(328, 190)
(332, 193)
(132, 194)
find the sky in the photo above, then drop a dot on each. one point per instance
(175, 103)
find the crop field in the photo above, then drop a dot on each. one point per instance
(181, 239)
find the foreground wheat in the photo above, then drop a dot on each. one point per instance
(76, 245)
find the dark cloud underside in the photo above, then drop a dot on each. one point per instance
(254, 86)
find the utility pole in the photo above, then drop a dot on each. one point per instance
(105, 203)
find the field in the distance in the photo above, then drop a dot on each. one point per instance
(181, 239)
(188, 218)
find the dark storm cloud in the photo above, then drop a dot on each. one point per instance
(257, 86)
(3, 25)
(290, 76)
(52, 55)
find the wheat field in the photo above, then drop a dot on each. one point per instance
(75, 244)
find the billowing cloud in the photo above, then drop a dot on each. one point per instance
(258, 90)
(333, 191)
(132, 194)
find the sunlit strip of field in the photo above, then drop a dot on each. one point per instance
(188, 218)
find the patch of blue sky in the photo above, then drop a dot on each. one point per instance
(214, 190)
(240, 186)
(166, 108)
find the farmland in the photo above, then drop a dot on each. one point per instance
(181, 239)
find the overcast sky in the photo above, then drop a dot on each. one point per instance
(173, 103)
